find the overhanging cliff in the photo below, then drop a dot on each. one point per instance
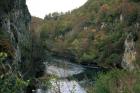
(14, 31)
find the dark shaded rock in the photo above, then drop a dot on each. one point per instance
(14, 23)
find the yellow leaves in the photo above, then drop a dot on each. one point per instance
(76, 43)
(6, 46)
(3, 54)
(99, 36)
(104, 8)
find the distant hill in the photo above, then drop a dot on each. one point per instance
(36, 23)
(94, 33)
(103, 33)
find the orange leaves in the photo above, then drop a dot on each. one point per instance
(104, 8)
(126, 7)
(5, 45)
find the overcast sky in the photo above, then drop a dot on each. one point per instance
(40, 8)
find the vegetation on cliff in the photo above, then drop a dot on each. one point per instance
(118, 81)
(93, 33)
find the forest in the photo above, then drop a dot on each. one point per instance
(92, 49)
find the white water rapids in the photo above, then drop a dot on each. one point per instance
(63, 85)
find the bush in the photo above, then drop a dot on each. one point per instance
(12, 84)
(10, 81)
(113, 59)
(89, 56)
(118, 81)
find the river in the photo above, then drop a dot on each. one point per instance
(64, 69)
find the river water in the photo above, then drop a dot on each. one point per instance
(63, 70)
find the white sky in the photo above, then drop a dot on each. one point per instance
(40, 8)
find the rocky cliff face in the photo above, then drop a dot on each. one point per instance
(14, 23)
(130, 53)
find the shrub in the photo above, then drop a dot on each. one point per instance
(117, 81)
(89, 56)
(12, 84)
(113, 59)
(10, 81)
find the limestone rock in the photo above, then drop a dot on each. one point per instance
(129, 56)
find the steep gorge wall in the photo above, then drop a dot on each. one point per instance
(14, 31)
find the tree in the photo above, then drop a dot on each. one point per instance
(49, 16)
(55, 15)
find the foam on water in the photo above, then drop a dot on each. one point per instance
(65, 86)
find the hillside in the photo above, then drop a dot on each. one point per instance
(102, 33)
(35, 24)
(92, 49)
(93, 33)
